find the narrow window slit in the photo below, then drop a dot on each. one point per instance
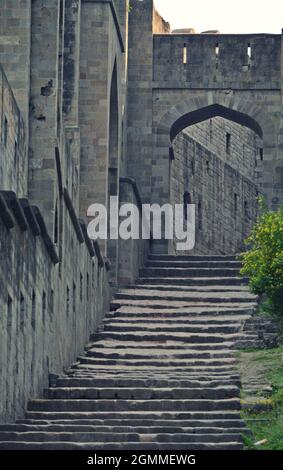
(249, 54)
(185, 54)
(261, 153)
(217, 53)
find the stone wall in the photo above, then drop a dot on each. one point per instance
(139, 103)
(15, 49)
(245, 147)
(49, 305)
(14, 163)
(132, 253)
(218, 61)
(101, 49)
(221, 185)
(173, 75)
(67, 63)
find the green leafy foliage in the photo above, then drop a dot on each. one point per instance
(263, 262)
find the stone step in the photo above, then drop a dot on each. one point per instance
(157, 354)
(172, 328)
(102, 382)
(160, 257)
(160, 362)
(95, 446)
(84, 371)
(181, 304)
(191, 288)
(144, 423)
(154, 428)
(176, 263)
(161, 346)
(119, 437)
(218, 297)
(220, 415)
(185, 320)
(193, 312)
(189, 272)
(162, 370)
(205, 373)
(134, 405)
(142, 393)
(202, 337)
(160, 373)
(193, 281)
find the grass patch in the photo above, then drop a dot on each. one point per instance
(265, 425)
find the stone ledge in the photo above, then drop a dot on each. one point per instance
(88, 242)
(30, 216)
(73, 215)
(16, 208)
(5, 214)
(45, 236)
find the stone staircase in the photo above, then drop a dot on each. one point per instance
(161, 372)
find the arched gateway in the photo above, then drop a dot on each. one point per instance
(176, 80)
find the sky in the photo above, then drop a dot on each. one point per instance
(237, 16)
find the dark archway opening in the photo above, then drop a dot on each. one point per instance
(215, 110)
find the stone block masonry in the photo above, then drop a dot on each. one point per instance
(221, 186)
(13, 143)
(48, 309)
(161, 374)
(94, 103)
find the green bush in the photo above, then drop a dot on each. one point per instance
(263, 262)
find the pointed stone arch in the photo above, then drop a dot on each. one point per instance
(198, 108)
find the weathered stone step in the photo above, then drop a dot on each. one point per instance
(172, 328)
(220, 415)
(221, 425)
(139, 294)
(137, 312)
(161, 374)
(134, 405)
(191, 288)
(175, 263)
(203, 337)
(185, 320)
(193, 281)
(181, 304)
(160, 362)
(161, 346)
(189, 272)
(120, 437)
(102, 382)
(157, 354)
(154, 428)
(142, 393)
(89, 372)
(118, 446)
(160, 257)
(133, 370)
